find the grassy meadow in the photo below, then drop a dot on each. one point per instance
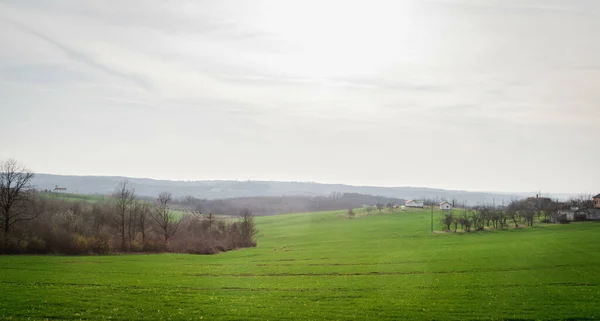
(316, 266)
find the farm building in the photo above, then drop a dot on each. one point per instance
(445, 206)
(538, 202)
(593, 214)
(414, 203)
(59, 189)
(576, 214)
(567, 214)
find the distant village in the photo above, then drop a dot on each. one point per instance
(582, 209)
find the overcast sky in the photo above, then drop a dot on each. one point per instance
(475, 95)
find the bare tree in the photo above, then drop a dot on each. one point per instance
(101, 217)
(144, 212)
(379, 206)
(527, 211)
(350, 213)
(369, 209)
(464, 223)
(14, 195)
(390, 206)
(582, 201)
(131, 222)
(125, 199)
(210, 221)
(512, 212)
(247, 227)
(164, 217)
(502, 217)
(447, 220)
(551, 210)
(528, 214)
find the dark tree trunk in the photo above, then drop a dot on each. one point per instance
(123, 245)
(6, 230)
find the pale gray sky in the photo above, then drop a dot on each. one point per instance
(461, 94)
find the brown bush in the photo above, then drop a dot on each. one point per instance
(79, 228)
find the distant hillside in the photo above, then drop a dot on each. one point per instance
(230, 189)
(270, 205)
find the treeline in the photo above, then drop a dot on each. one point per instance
(35, 224)
(271, 205)
(525, 212)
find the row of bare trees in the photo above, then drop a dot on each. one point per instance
(523, 212)
(35, 222)
(134, 218)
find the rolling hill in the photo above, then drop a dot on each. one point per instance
(231, 189)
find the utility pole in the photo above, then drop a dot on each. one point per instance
(431, 218)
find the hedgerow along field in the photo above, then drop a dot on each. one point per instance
(316, 266)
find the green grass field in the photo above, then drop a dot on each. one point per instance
(323, 266)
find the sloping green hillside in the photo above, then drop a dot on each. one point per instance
(324, 266)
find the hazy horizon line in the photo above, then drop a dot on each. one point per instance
(319, 183)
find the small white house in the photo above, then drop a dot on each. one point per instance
(445, 206)
(414, 203)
